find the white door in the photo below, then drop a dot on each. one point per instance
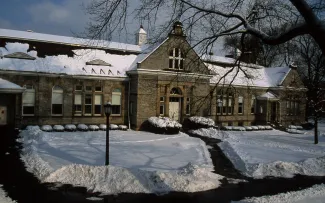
(3, 115)
(174, 108)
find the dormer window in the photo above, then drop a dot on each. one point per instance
(176, 59)
(98, 62)
(19, 55)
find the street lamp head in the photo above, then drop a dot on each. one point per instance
(108, 108)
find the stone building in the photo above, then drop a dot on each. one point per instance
(48, 79)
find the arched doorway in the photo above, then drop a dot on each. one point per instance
(175, 100)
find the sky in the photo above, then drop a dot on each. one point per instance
(58, 17)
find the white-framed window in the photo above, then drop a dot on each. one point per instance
(98, 104)
(57, 101)
(176, 59)
(188, 106)
(253, 104)
(240, 105)
(162, 106)
(88, 104)
(225, 104)
(116, 101)
(78, 104)
(28, 101)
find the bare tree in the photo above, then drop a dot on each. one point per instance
(206, 20)
(311, 66)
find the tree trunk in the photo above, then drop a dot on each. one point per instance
(316, 131)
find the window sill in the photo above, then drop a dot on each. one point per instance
(56, 115)
(115, 115)
(28, 115)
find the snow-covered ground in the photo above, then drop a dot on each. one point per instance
(272, 153)
(139, 161)
(315, 194)
(4, 197)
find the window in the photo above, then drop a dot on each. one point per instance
(116, 102)
(78, 88)
(240, 105)
(98, 104)
(57, 100)
(88, 104)
(77, 104)
(240, 123)
(162, 106)
(98, 89)
(292, 106)
(253, 104)
(28, 101)
(261, 109)
(176, 59)
(225, 104)
(188, 106)
(89, 88)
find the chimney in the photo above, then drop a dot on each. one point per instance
(141, 36)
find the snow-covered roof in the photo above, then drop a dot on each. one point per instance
(63, 64)
(221, 60)
(9, 87)
(268, 95)
(40, 37)
(247, 76)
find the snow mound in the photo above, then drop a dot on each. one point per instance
(238, 128)
(202, 120)
(47, 128)
(260, 127)
(70, 127)
(113, 127)
(102, 127)
(254, 127)
(294, 131)
(164, 122)
(248, 128)
(122, 127)
(227, 128)
(32, 127)
(312, 194)
(114, 180)
(93, 127)
(58, 128)
(82, 127)
(210, 132)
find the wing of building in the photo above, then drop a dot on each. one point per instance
(49, 79)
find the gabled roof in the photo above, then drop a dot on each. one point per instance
(248, 75)
(9, 87)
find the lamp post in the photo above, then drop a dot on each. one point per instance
(108, 111)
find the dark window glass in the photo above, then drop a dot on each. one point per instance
(240, 124)
(176, 52)
(88, 88)
(28, 110)
(116, 109)
(170, 63)
(98, 109)
(181, 65)
(98, 89)
(187, 109)
(78, 88)
(87, 109)
(56, 108)
(161, 109)
(77, 108)
(176, 64)
(171, 53)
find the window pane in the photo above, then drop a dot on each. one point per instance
(77, 99)
(88, 88)
(88, 99)
(171, 52)
(116, 109)
(187, 109)
(240, 99)
(98, 89)
(98, 109)
(28, 109)
(98, 99)
(176, 52)
(161, 111)
(57, 98)
(29, 97)
(181, 64)
(78, 88)
(56, 108)
(176, 63)
(88, 109)
(77, 108)
(116, 99)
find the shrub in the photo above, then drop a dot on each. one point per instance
(248, 128)
(113, 127)
(238, 128)
(122, 127)
(254, 127)
(161, 125)
(47, 128)
(196, 122)
(227, 128)
(32, 127)
(58, 128)
(93, 127)
(102, 127)
(70, 127)
(82, 127)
